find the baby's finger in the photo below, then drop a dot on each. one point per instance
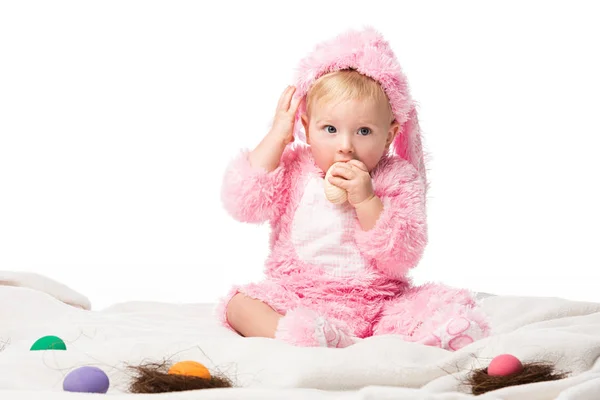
(284, 99)
(287, 97)
(343, 171)
(339, 182)
(359, 165)
(295, 103)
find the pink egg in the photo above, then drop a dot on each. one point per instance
(504, 364)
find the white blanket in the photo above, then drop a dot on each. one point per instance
(544, 329)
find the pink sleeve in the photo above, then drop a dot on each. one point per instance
(251, 194)
(397, 241)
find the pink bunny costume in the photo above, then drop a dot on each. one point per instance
(333, 282)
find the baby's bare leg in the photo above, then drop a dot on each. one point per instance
(251, 317)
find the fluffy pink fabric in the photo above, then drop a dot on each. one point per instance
(305, 327)
(251, 194)
(298, 327)
(398, 240)
(428, 314)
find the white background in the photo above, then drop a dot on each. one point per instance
(117, 119)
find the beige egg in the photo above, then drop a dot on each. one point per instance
(333, 193)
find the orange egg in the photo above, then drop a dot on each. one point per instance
(190, 368)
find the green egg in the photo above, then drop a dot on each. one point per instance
(49, 343)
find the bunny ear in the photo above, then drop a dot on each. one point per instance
(407, 143)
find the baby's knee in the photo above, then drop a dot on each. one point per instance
(233, 310)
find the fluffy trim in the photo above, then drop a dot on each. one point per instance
(299, 328)
(305, 327)
(397, 241)
(251, 194)
(370, 54)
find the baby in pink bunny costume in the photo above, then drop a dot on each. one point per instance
(337, 273)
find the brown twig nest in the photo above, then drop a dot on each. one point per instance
(154, 378)
(481, 382)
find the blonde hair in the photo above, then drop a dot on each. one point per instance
(343, 85)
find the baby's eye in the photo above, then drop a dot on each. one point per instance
(330, 129)
(364, 131)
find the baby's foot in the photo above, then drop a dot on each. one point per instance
(305, 327)
(330, 335)
(459, 332)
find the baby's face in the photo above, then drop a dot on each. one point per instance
(349, 130)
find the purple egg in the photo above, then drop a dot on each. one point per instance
(87, 380)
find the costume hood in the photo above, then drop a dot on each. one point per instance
(370, 54)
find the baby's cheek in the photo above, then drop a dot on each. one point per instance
(323, 159)
(371, 159)
(370, 162)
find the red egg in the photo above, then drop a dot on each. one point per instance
(504, 364)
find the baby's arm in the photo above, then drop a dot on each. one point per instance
(255, 182)
(368, 212)
(253, 193)
(397, 239)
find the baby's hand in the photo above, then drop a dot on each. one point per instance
(283, 123)
(354, 178)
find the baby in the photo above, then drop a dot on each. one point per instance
(337, 270)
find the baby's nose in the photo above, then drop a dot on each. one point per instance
(345, 144)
